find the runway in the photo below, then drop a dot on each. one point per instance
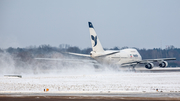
(157, 84)
(91, 96)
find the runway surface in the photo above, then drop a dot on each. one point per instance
(157, 84)
(91, 96)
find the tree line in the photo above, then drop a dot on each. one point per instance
(47, 51)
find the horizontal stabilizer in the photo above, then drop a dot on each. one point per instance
(85, 55)
(108, 54)
(87, 61)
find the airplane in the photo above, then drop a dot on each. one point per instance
(124, 57)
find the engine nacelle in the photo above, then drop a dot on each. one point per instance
(149, 65)
(163, 64)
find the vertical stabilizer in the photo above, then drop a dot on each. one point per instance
(96, 45)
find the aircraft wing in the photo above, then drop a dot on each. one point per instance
(155, 60)
(145, 61)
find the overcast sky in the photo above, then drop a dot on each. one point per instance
(137, 23)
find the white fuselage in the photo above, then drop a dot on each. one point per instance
(123, 56)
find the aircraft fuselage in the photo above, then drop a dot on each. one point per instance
(123, 56)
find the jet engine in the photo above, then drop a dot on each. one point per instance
(163, 64)
(149, 65)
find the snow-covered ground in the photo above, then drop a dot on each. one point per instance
(93, 81)
(72, 77)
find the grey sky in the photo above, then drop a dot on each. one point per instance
(141, 24)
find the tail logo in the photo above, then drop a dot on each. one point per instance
(94, 39)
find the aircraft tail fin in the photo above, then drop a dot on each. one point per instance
(96, 45)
